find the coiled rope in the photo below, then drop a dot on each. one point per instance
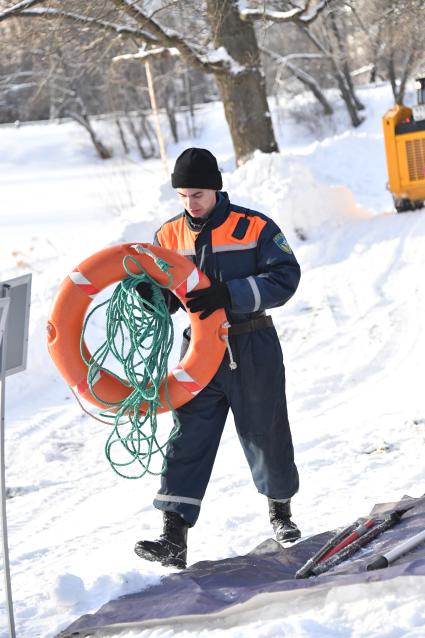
(139, 336)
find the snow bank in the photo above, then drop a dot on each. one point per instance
(70, 592)
(287, 190)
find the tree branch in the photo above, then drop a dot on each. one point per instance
(17, 8)
(146, 54)
(53, 14)
(171, 39)
(317, 43)
(147, 30)
(284, 59)
(301, 75)
(303, 15)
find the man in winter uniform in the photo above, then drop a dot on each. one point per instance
(251, 268)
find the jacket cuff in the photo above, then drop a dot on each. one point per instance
(245, 295)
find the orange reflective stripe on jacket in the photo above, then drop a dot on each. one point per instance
(222, 238)
(176, 234)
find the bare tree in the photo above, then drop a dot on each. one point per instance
(328, 36)
(307, 79)
(20, 76)
(62, 80)
(243, 88)
(394, 39)
(330, 39)
(404, 41)
(228, 48)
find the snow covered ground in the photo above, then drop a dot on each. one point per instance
(353, 342)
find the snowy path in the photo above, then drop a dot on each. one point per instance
(359, 343)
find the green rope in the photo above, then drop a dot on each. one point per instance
(139, 336)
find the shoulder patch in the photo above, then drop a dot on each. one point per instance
(281, 241)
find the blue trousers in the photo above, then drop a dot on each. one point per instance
(255, 392)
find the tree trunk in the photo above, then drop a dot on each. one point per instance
(311, 83)
(102, 151)
(83, 118)
(405, 73)
(349, 80)
(345, 72)
(148, 132)
(122, 135)
(190, 114)
(346, 95)
(242, 89)
(392, 75)
(136, 136)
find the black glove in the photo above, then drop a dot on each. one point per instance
(144, 288)
(208, 300)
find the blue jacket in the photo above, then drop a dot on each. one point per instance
(241, 247)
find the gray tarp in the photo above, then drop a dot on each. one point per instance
(209, 587)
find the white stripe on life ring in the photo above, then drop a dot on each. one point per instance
(83, 283)
(83, 385)
(188, 284)
(186, 380)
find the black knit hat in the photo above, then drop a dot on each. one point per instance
(196, 168)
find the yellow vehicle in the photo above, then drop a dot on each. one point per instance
(404, 135)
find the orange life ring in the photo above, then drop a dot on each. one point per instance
(66, 319)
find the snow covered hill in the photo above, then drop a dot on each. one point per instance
(353, 342)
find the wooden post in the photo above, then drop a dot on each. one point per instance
(151, 89)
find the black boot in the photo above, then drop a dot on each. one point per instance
(171, 547)
(280, 518)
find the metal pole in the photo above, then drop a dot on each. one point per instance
(7, 583)
(383, 560)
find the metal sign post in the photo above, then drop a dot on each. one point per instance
(7, 584)
(14, 315)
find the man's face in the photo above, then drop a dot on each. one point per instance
(198, 202)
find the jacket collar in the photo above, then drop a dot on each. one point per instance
(218, 215)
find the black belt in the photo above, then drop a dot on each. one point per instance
(251, 325)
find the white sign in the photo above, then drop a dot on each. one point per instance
(4, 307)
(19, 296)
